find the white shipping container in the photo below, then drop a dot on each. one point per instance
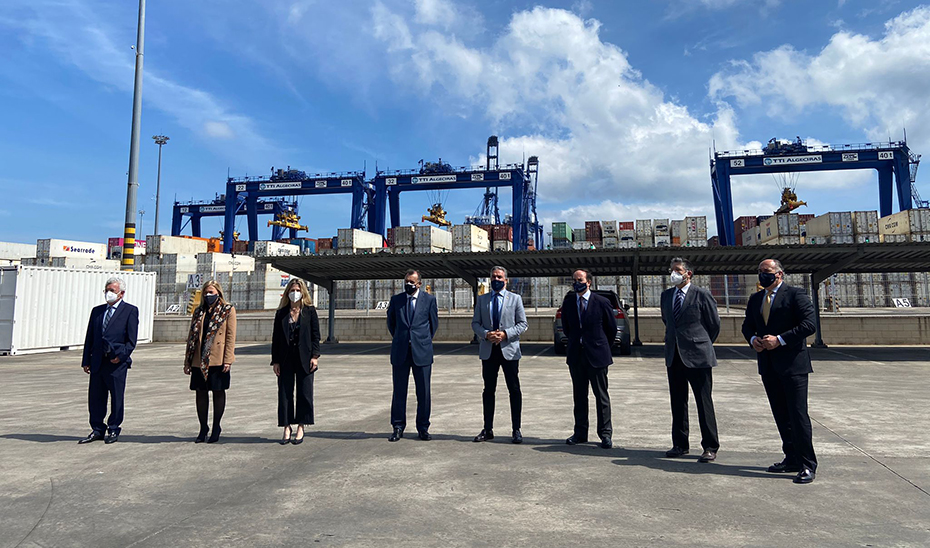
(783, 240)
(429, 249)
(696, 243)
(867, 239)
(695, 229)
(208, 263)
(18, 252)
(779, 225)
(627, 234)
(582, 244)
(358, 250)
(275, 249)
(644, 241)
(663, 241)
(471, 236)
(403, 236)
(610, 242)
(353, 238)
(80, 263)
(903, 222)
(401, 249)
(266, 276)
(431, 236)
(865, 222)
(660, 227)
(504, 245)
(676, 229)
(160, 245)
(51, 247)
(643, 227)
(924, 220)
(608, 228)
(44, 309)
(752, 236)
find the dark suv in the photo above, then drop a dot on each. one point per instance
(621, 342)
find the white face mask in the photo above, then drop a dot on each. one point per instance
(676, 278)
(112, 297)
(295, 296)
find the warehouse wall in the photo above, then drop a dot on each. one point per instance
(853, 330)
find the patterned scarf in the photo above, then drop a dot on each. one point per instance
(217, 317)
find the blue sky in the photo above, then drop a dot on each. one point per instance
(619, 100)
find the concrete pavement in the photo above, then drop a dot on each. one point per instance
(347, 486)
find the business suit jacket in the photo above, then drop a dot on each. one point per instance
(695, 331)
(513, 323)
(792, 318)
(417, 335)
(223, 350)
(308, 342)
(597, 329)
(118, 341)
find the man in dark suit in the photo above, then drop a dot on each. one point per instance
(589, 322)
(412, 319)
(691, 327)
(778, 321)
(111, 338)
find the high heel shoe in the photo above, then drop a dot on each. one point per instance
(202, 436)
(296, 440)
(215, 436)
(287, 436)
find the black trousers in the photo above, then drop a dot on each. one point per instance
(489, 370)
(106, 382)
(582, 375)
(701, 381)
(788, 400)
(401, 378)
(293, 376)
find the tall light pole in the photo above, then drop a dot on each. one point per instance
(129, 232)
(160, 140)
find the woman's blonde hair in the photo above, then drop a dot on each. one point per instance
(219, 291)
(306, 300)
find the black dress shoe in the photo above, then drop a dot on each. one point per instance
(202, 436)
(297, 441)
(425, 436)
(606, 442)
(398, 433)
(806, 475)
(781, 467)
(484, 435)
(93, 436)
(112, 437)
(676, 452)
(215, 436)
(285, 439)
(517, 436)
(708, 456)
(575, 439)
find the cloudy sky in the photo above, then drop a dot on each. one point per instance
(621, 101)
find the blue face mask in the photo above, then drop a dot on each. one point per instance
(497, 285)
(767, 278)
(580, 287)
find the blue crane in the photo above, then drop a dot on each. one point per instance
(896, 166)
(195, 211)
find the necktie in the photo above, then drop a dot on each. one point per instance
(410, 310)
(107, 316)
(584, 306)
(767, 306)
(679, 302)
(496, 312)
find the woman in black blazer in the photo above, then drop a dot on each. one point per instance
(295, 350)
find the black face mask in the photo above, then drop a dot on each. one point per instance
(497, 285)
(410, 288)
(767, 278)
(580, 287)
(211, 299)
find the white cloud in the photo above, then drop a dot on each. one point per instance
(61, 24)
(556, 90)
(878, 84)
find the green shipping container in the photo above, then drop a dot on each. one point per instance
(561, 231)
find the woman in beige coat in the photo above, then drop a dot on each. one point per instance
(211, 350)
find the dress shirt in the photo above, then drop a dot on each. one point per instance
(113, 306)
(781, 341)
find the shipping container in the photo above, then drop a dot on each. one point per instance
(752, 237)
(470, 238)
(503, 233)
(503, 245)
(46, 309)
(592, 231)
(261, 248)
(403, 236)
(578, 235)
(353, 238)
(626, 225)
(865, 222)
(643, 227)
(432, 237)
(80, 263)
(644, 241)
(660, 227)
(324, 243)
(828, 224)
(561, 231)
(785, 224)
(610, 242)
(608, 229)
(695, 228)
(15, 251)
(52, 247)
(581, 244)
(867, 238)
(161, 245)
(558, 243)
(662, 241)
(676, 229)
(903, 222)
(208, 263)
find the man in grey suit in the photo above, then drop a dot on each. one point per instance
(691, 327)
(412, 319)
(499, 320)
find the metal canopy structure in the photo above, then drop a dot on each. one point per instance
(819, 261)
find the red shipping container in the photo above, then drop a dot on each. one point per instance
(503, 233)
(324, 243)
(624, 225)
(390, 237)
(592, 231)
(240, 247)
(805, 217)
(490, 230)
